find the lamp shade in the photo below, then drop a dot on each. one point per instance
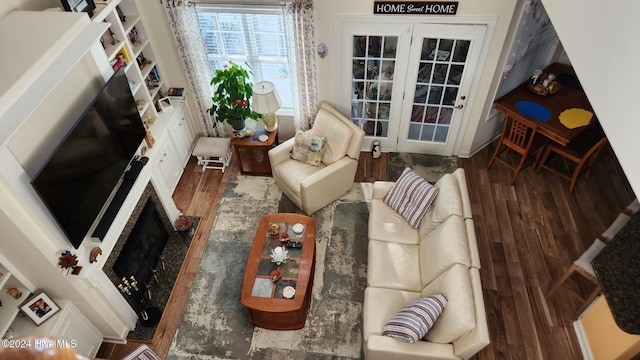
(265, 98)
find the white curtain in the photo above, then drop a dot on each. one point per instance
(183, 21)
(533, 22)
(298, 17)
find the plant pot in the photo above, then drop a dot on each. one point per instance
(237, 124)
(188, 234)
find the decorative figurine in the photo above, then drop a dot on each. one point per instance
(375, 150)
(93, 255)
(67, 260)
(14, 292)
(274, 229)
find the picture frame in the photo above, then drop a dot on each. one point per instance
(79, 6)
(165, 104)
(39, 308)
(176, 93)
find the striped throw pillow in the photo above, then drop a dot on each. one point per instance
(415, 319)
(411, 196)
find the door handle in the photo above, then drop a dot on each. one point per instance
(459, 106)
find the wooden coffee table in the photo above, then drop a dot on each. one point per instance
(264, 299)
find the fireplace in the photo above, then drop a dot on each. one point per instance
(140, 255)
(135, 265)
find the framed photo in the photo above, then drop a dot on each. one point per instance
(40, 308)
(165, 104)
(176, 92)
(79, 6)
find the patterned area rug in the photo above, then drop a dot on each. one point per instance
(430, 167)
(214, 325)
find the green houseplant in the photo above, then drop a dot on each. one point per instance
(232, 96)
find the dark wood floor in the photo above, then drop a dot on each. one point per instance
(527, 235)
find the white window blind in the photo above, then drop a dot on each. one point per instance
(251, 34)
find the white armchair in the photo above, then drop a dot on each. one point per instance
(313, 187)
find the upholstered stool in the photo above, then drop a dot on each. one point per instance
(213, 153)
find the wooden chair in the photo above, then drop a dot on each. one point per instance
(517, 136)
(583, 265)
(583, 151)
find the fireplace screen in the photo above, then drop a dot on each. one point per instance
(140, 255)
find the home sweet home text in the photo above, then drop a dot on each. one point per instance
(415, 7)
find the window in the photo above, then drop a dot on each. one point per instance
(252, 35)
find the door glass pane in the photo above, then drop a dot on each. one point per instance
(461, 51)
(374, 59)
(439, 74)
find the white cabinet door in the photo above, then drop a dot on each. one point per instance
(77, 332)
(69, 327)
(182, 135)
(169, 164)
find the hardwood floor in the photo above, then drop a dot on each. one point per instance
(528, 234)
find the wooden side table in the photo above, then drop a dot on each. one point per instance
(252, 154)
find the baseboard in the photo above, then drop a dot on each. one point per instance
(582, 340)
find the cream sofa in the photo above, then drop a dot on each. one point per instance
(313, 187)
(439, 257)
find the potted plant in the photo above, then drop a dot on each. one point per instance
(232, 96)
(184, 225)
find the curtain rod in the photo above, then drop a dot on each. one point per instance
(229, 3)
(190, 3)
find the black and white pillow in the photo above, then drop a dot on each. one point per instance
(411, 196)
(415, 319)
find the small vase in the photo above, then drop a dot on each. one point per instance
(237, 124)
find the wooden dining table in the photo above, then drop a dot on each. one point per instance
(569, 96)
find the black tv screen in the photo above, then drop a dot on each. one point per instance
(79, 176)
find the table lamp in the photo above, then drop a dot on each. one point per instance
(266, 102)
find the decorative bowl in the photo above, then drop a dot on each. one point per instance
(297, 228)
(288, 292)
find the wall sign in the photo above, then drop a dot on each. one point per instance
(415, 7)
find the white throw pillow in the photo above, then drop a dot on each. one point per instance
(308, 148)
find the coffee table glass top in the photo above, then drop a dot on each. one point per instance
(263, 286)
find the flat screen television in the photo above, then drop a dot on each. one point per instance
(80, 175)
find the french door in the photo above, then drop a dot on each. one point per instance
(407, 84)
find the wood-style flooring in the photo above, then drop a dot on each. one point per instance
(528, 234)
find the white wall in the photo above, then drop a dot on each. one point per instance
(28, 4)
(601, 41)
(502, 10)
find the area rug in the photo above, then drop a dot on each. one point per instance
(214, 325)
(430, 167)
